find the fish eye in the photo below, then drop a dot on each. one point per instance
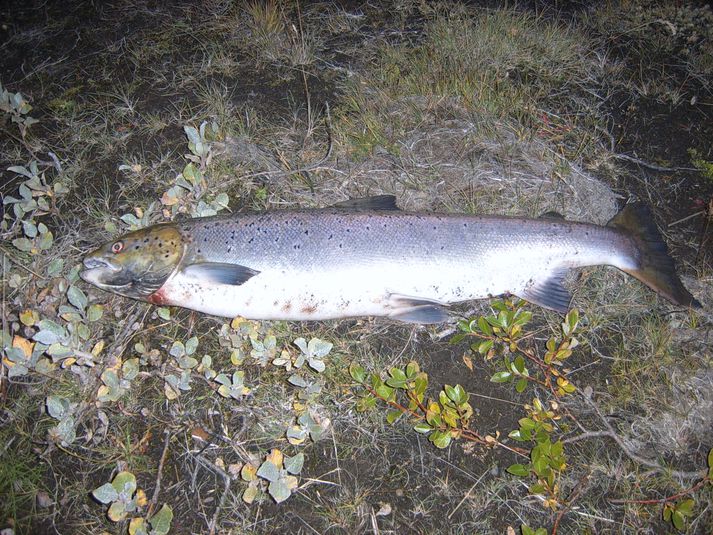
(117, 247)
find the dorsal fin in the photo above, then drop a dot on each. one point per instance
(552, 215)
(376, 202)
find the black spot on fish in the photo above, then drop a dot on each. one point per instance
(306, 232)
(205, 239)
(146, 240)
(251, 240)
(330, 236)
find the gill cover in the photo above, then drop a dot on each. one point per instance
(138, 263)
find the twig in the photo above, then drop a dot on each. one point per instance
(18, 264)
(684, 219)
(467, 494)
(655, 167)
(651, 165)
(668, 499)
(214, 520)
(630, 454)
(575, 494)
(157, 489)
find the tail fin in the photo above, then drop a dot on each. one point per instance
(656, 268)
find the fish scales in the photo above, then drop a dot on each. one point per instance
(332, 263)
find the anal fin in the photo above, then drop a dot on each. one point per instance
(416, 309)
(220, 273)
(548, 292)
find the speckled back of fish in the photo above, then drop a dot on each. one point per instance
(331, 263)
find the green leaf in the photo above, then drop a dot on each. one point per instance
(23, 244)
(451, 393)
(518, 470)
(294, 464)
(77, 298)
(55, 267)
(686, 506)
(501, 377)
(537, 488)
(393, 415)
(45, 241)
(679, 522)
(397, 378)
(519, 364)
(191, 345)
(57, 407)
(485, 346)
(521, 385)
(177, 349)
(319, 348)
(422, 427)
(268, 471)
(484, 326)
(421, 383)
(440, 439)
(106, 493)
(412, 369)
(384, 391)
(164, 313)
(124, 482)
(278, 490)
(117, 511)
(527, 423)
(667, 511)
(95, 312)
(161, 521)
(357, 372)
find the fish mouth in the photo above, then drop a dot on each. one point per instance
(98, 270)
(100, 263)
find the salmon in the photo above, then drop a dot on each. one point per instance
(368, 258)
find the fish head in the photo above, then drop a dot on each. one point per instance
(137, 264)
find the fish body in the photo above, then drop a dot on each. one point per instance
(371, 259)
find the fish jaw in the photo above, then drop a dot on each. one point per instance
(138, 264)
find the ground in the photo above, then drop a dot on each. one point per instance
(144, 112)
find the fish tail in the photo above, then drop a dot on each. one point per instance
(654, 265)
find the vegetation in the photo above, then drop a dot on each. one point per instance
(122, 417)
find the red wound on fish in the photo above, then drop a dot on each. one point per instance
(159, 297)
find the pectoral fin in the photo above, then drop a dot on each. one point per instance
(548, 292)
(233, 274)
(417, 310)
